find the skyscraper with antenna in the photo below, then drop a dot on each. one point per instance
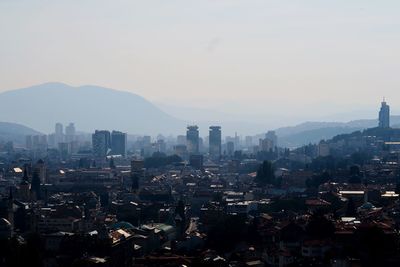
(384, 115)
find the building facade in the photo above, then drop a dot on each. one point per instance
(215, 142)
(192, 139)
(101, 143)
(118, 143)
(384, 115)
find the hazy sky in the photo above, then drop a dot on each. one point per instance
(302, 58)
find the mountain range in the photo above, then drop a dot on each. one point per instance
(93, 107)
(313, 132)
(89, 107)
(15, 132)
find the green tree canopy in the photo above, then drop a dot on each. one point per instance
(265, 174)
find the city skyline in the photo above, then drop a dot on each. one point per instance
(217, 133)
(195, 141)
(48, 96)
(258, 55)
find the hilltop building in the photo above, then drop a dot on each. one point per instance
(384, 115)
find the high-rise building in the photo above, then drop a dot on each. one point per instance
(229, 139)
(161, 146)
(181, 140)
(266, 145)
(146, 146)
(70, 132)
(384, 115)
(41, 168)
(36, 142)
(230, 147)
(237, 141)
(146, 140)
(271, 135)
(29, 142)
(101, 143)
(63, 149)
(192, 139)
(181, 151)
(215, 142)
(59, 133)
(51, 139)
(249, 141)
(118, 143)
(201, 146)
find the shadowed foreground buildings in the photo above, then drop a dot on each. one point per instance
(254, 203)
(238, 211)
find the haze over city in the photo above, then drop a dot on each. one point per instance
(212, 133)
(275, 62)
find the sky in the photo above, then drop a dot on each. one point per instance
(299, 59)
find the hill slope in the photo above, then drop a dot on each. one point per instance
(15, 132)
(313, 132)
(90, 107)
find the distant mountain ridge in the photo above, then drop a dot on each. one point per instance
(90, 107)
(94, 107)
(313, 132)
(15, 132)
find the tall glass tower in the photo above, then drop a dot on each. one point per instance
(192, 139)
(384, 115)
(215, 142)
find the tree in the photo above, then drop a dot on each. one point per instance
(227, 233)
(374, 246)
(320, 227)
(160, 159)
(351, 210)
(397, 190)
(265, 174)
(359, 158)
(354, 170)
(180, 209)
(35, 187)
(317, 180)
(355, 174)
(112, 164)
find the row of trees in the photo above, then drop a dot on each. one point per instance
(160, 159)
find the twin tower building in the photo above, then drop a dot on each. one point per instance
(114, 143)
(193, 141)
